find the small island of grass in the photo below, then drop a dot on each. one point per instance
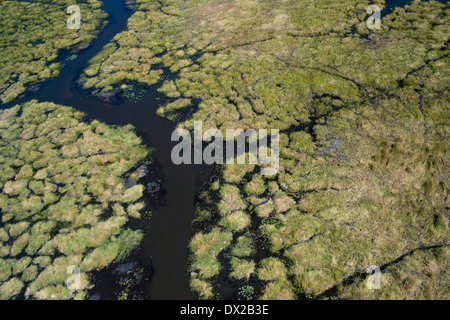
(364, 131)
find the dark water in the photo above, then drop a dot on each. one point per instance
(165, 242)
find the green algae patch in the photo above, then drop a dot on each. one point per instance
(61, 209)
(33, 34)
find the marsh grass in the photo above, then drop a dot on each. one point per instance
(278, 290)
(231, 200)
(432, 282)
(363, 132)
(29, 48)
(272, 269)
(242, 247)
(236, 221)
(10, 288)
(362, 160)
(242, 269)
(202, 288)
(61, 207)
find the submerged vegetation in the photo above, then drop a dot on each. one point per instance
(364, 131)
(33, 33)
(63, 200)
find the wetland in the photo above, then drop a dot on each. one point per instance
(87, 177)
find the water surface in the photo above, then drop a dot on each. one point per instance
(165, 242)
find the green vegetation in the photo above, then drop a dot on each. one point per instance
(247, 292)
(63, 201)
(424, 274)
(364, 131)
(278, 290)
(202, 288)
(33, 34)
(242, 269)
(129, 281)
(236, 221)
(271, 269)
(207, 247)
(242, 248)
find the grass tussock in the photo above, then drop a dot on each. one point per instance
(206, 248)
(242, 269)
